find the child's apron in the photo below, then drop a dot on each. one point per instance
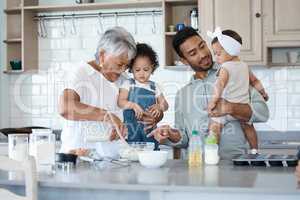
(144, 98)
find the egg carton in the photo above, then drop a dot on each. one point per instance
(267, 160)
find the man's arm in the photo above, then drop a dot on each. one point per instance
(178, 136)
(257, 111)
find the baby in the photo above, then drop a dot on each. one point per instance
(232, 84)
(140, 94)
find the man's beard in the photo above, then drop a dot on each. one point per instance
(201, 69)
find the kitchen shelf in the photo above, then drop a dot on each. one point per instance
(16, 10)
(170, 33)
(181, 2)
(283, 64)
(178, 68)
(175, 12)
(94, 6)
(13, 71)
(13, 40)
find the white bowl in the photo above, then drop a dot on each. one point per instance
(153, 159)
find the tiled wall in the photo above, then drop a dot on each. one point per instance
(39, 92)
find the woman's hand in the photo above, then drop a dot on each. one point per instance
(155, 110)
(138, 111)
(149, 121)
(119, 127)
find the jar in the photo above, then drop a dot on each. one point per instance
(42, 147)
(211, 156)
(18, 147)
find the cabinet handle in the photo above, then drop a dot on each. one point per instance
(257, 15)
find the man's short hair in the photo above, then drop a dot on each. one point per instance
(181, 36)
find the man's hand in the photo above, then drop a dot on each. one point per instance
(164, 133)
(222, 108)
(161, 134)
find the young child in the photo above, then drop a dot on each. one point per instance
(139, 94)
(232, 84)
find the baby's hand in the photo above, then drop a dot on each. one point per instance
(211, 106)
(138, 111)
(265, 95)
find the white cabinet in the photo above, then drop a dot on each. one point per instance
(242, 16)
(282, 21)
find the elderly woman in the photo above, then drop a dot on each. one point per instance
(90, 99)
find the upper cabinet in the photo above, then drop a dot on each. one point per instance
(282, 21)
(242, 16)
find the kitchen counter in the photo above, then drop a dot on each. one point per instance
(173, 181)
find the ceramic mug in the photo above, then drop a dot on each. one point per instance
(180, 26)
(16, 64)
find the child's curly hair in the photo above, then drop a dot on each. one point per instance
(144, 50)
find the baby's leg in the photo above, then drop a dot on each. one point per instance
(250, 134)
(216, 129)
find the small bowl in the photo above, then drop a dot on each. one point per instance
(153, 159)
(132, 153)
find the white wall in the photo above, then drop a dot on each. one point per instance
(58, 54)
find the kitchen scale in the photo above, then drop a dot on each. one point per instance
(267, 160)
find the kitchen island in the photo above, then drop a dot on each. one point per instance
(173, 181)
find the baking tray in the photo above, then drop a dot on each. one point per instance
(267, 160)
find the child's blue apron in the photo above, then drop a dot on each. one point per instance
(144, 98)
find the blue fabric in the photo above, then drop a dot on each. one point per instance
(144, 98)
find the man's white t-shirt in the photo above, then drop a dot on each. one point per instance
(95, 90)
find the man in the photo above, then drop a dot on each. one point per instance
(191, 101)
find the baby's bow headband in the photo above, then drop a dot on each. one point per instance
(230, 45)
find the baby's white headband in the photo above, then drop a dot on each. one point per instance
(230, 45)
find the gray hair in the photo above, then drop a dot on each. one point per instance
(116, 41)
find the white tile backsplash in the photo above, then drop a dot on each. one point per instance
(39, 93)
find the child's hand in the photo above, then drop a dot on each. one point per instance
(211, 106)
(155, 110)
(138, 111)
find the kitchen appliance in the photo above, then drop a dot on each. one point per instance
(18, 147)
(42, 147)
(268, 160)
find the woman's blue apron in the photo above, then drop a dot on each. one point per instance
(144, 98)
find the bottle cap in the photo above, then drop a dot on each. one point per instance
(194, 132)
(211, 139)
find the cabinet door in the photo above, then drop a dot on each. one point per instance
(242, 16)
(282, 20)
